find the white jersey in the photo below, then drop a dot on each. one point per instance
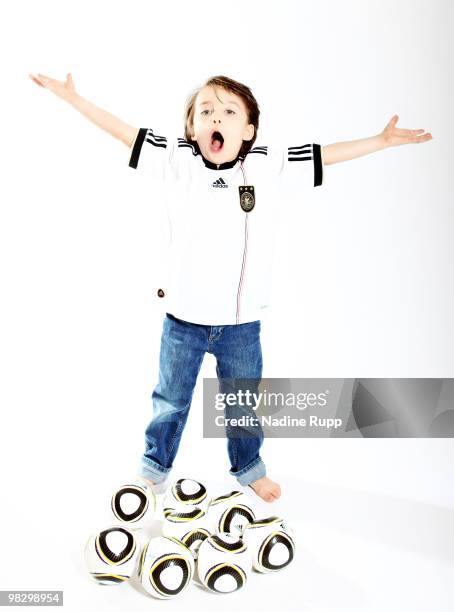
(220, 253)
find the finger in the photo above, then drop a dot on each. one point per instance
(392, 122)
(416, 139)
(37, 81)
(43, 80)
(408, 132)
(424, 138)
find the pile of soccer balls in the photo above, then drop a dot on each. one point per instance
(215, 542)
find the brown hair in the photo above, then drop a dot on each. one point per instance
(231, 86)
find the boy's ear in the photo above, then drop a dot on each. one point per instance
(249, 132)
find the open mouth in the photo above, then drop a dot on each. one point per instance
(217, 141)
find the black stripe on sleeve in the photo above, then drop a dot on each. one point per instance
(318, 166)
(137, 148)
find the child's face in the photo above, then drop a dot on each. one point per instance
(218, 110)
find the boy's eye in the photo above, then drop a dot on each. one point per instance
(229, 110)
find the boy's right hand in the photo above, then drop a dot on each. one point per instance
(106, 121)
(65, 90)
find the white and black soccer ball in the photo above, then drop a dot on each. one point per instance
(271, 544)
(223, 563)
(133, 505)
(111, 555)
(190, 525)
(166, 567)
(185, 492)
(231, 513)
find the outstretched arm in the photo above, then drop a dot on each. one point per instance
(390, 137)
(111, 124)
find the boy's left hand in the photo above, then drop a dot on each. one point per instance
(393, 136)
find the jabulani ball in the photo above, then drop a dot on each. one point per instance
(231, 513)
(166, 567)
(183, 492)
(271, 544)
(133, 504)
(223, 563)
(111, 555)
(190, 525)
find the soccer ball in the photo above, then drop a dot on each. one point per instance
(183, 492)
(271, 544)
(133, 504)
(231, 513)
(166, 567)
(190, 525)
(223, 563)
(111, 555)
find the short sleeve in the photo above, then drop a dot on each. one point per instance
(298, 167)
(151, 153)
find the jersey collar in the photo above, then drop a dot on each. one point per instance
(223, 166)
(212, 166)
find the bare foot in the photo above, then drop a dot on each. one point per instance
(266, 489)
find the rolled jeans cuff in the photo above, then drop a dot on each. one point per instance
(252, 472)
(152, 470)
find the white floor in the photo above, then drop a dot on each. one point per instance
(355, 551)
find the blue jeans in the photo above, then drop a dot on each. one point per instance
(239, 356)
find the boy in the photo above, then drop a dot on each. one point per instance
(222, 205)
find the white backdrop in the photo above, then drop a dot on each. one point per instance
(363, 283)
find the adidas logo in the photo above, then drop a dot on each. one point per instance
(220, 183)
